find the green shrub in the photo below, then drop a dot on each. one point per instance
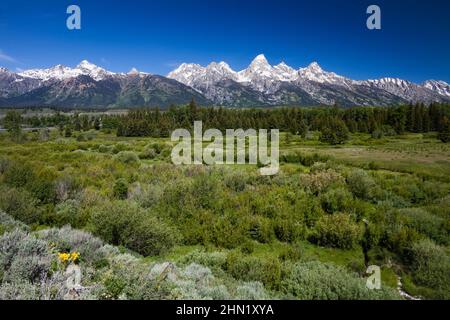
(320, 181)
(127, 157)
(216, 259)
(122, 223)
(260, 229)
(148, 154)
(304, 159)
(19, 204)
(361, 184)
(266, 270)
(428, 224)
(337, 231)
(120, 189)
(289, 229)
(226, 232)
(5, 163)
(290, 253)
(18, 175)
(430, 265)
(104, 148)
(322, 281)
(81, 137)
(377, 134)
(336, 200)
(43, 189)
(68, 213)
(236, 181)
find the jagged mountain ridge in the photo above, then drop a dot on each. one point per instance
(260, 84)
(281, 84)
(88, 85)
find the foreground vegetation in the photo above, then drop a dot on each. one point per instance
(142, 228)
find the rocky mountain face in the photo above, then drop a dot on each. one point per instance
(263, 84)
(260, 84)
(88, 85)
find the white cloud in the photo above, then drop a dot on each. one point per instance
(6, 58)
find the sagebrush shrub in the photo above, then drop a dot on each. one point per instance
(67, 239)
(7, 223)
(23, 257)
(251, 291)
(323, 281)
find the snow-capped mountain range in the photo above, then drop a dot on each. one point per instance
(260, 84)
(282, 84)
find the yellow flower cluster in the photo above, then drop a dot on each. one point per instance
(68, 257)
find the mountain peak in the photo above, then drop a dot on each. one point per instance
(439, 86)
(133, 71)
(220, 66)
(86, 65)
(261, 58)
(314, 66)
(2, 69)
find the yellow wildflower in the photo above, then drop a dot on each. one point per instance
(74, 256)
(63, 257)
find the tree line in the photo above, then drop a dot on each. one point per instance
(375, 120)
(334, 123)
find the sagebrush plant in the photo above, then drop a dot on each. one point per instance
(321, 281)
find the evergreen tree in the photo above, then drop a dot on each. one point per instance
(444, 134)
(76, 122)
(97, 124)
(13, 123)
(336, 132)
(68, 132)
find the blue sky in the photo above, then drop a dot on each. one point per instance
(157, 35)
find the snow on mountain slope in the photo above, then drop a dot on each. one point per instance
(61, 72)
(441, 87)
(322, 86)
(260, 84)
(315, 73)
(407, 90)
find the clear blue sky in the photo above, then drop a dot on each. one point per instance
(157, 35)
